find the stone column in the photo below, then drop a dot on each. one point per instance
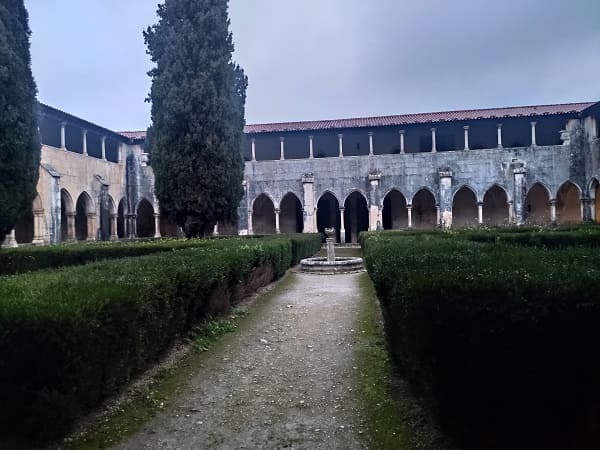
(433, 144)
(466, 128)
(250, 230)
(342, 227)
(409, 210)
(533, 141)
(401, 141)
(374, 178)
(10, 241)
(131, 226)
(38, 226)
(114, 236)
(216, 229)
(281, 148)
(310, 148)
(446, 197)
(590, 210)
(341, 145)
(370, 143)
(104, 148)
(308, 181)
(520, 180)
(511, 212)
(63, 135)
(71, 226)
(253, 149)
(157, 225)
(91, 226)
(438, 215)
(85, 152)
(499, 135)
(277, 230)
(480, 213)
(553, 211)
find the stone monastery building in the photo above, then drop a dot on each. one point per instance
(534, 164)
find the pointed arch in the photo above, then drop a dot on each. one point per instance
(145, 223)
(25, 228)
(464, 207)
(263, 214)
(66, 216)
(260, 196)
(568, 204)
(328, 213)
(421, 191)
(395, 212)
(326, 192)
(357, 191)
(291, 219)
(121, 212)
(495, 206)
(594, 190)
(537, 204)
(356, 216)
(424, 211)
(84, 209)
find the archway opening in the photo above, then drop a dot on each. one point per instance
(464, 208)
(263, 215)
(121, 219)
(328, 214)
(356, 216)
(495, 207)
(538, 205)
(145, 219)
(424, 212)
(595, 195)
(291, 219)
(568, 204)
(66, 212)
(395, 213)
(82, 209)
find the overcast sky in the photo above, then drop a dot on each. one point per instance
(316, 59)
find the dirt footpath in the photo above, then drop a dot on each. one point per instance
(283, 380)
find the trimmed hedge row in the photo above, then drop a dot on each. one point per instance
(71, 337)
(29, 259)
(500, 340)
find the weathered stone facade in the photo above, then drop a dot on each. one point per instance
(491, 167)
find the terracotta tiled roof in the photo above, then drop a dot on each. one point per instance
(409, 119)
(135, 135)
(405, 119)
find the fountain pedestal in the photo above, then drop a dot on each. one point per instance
(331, 265)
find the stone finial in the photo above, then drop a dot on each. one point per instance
(308, 178)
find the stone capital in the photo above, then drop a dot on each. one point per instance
(466, 127)
(445, 174)
(308, 178)
(374, 176)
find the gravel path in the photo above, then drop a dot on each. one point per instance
(284, 380)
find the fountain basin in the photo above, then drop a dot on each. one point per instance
(324, 266)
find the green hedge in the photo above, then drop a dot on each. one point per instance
(71, 337)
(500, 340)
(29, 259)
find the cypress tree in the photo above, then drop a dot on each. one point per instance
(198, 96)
(19, 142)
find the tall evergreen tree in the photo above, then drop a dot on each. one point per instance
(198, 96)
(19, 142)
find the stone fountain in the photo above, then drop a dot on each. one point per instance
(331, 265)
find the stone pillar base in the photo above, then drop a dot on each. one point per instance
(342, 236)
(10, 241)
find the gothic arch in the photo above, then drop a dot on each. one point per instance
(495, 206)
(594, 195)
(356, 215)
(356, 191)
(424, 189)
(327, 192)
(66, 215)
(395, 212)
(424, 211)
(263, 214)
(145, 224)
(464, 207)
(328, 213)
(265, 194)
(568, 203)
(291, 219)
(537, 204)
(84, 211)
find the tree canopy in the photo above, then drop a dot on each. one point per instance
(19, 141)
(198, 97)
